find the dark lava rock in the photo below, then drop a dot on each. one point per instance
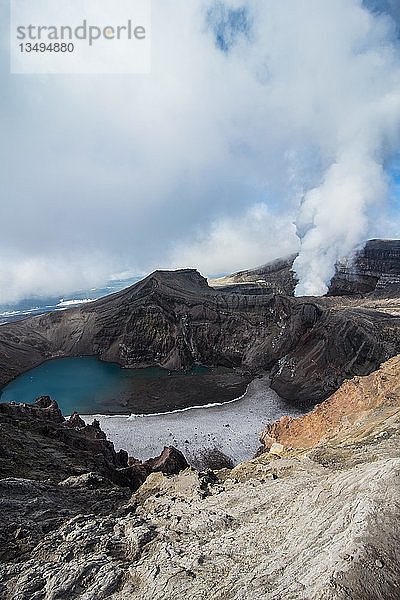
(375, 268)
(31, 509)
(173, 319)
(56, 473)
(341, 343)
(36, 442)
(171, 461)
(44, 408)
(75, 421)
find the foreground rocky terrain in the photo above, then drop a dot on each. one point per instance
(37, 442)
(314, 516)
(175, 319)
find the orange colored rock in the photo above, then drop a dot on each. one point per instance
(362, 406)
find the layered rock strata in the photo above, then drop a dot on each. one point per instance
(174, 319)
(373, 269)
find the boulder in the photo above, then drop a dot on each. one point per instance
(75, 421)
(171, 461)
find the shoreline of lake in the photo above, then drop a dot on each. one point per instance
(89, 385)
(230, 429)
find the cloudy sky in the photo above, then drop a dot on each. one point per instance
(265, 127)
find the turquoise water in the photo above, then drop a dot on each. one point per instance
(89, 386)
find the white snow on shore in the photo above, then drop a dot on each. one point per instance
(232, 428)
(68, 303)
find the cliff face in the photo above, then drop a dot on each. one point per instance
(374, 269)
(315, 522)
(361, 406)
(174, 319)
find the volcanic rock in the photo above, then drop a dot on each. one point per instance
(75, 421)
(359, 406)
(174, 319)
(171, 461)
(319, 521)
(314, 523)
(373, 269)
(44, 409)
(37, 442)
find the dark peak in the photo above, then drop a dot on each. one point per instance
(178, 274)
(186, 279)
(181, 281)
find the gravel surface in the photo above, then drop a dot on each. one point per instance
(231, 428)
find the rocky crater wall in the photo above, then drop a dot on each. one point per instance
(174, 319)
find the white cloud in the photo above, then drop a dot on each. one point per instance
(149, 171)
(37, 276)
(232, 244)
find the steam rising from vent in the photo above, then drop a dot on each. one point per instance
(257, 115)
(332, 219)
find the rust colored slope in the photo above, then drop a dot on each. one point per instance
(361, 406)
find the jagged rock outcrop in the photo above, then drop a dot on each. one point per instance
(38, 443)
(174, 319)
(75, 421)
(44, 409)
(170, 461)
(318, 522)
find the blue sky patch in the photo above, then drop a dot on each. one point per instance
(229, 25)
